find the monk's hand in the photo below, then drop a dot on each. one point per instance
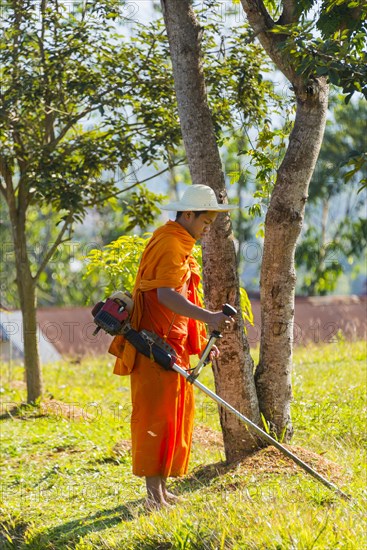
(214, 353)
(218, 321)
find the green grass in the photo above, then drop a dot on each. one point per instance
(64, 486)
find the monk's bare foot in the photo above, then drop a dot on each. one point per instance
(152, 505)
(156, 497)
(167, 495)
(171, 498)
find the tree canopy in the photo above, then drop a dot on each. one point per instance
(326, 38)
(82, 107)
(74, 102)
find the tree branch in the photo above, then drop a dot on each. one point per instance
(7, 176)
(3, 190)
(8, 191)
(258, 15)
(131, 186)
(289, 14)
(68, 221)
(5, 172)
(91, 108)
(51, 146)
(51, 251)
(261, 22)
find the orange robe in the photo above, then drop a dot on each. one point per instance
(163, 402)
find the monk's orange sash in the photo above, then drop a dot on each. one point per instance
(167, 261)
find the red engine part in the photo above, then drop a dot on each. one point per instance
(110, 316)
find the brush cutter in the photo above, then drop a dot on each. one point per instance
(112, 316)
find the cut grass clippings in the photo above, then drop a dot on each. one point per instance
(66, 466)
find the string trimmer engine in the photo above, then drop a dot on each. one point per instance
(111, 316)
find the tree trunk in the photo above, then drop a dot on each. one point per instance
(27, 296)
(324, 224)
(282, 227)
(31, 355)
(234, 370)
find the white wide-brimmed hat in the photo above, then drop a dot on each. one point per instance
(198, 197)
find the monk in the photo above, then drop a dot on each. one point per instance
(166, 302)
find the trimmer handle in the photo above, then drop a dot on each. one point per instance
(228, 310)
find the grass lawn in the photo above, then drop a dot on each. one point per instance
(66, 468)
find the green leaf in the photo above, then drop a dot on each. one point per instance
(246, 307)
(265, 423)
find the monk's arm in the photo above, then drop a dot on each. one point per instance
(179, 304)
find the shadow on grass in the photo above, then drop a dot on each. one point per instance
(70, 532)
(202, 476)
(67, 534)
(24, 411)
(12, 534)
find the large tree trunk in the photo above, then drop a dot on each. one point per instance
(284, 220)
(27, 296)
(234, 370)
(282, 227)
